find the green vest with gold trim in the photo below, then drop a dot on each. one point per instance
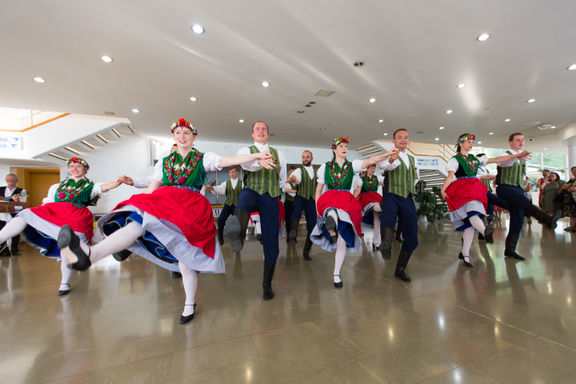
(307, 186)
(265, 180)
(232, 193)
(400, 181)
(513, 175)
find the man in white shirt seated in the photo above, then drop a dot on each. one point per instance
(11, 193)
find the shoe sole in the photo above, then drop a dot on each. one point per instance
(65, 242)
(232, 231)
(489, 234)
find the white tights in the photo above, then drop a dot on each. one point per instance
(376, 236)
(468, 235)
(339, 258)
(12, 228)
(190, 283)
(116, 242)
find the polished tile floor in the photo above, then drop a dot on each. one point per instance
(500, 322)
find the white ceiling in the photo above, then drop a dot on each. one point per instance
(415, 53)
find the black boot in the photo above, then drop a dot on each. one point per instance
(68, 243)
(235, 229)
(510, 250)
(122, 255)
(331, 225)
(544, 219)
(293, 232)
(267, 292)
(221, 236)
(386, 246)
(401, 266)
(307, 247)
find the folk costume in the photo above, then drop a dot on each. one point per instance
(231, 189)
(370, 199)
(304, 201)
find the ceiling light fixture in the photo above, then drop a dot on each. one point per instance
(372, 100)
(87, 144)
(197, 29)
(449, 111)
(531, 101)
(106, 59)
(57, 156)
(553, 127)
(131, 128)
(385, 133)
(479, 142)
(39, 80)
(572, 67)
(265, 84)
(508, 120)
(381, 120)
(461, 85)
(193, 99)
(490, 133)
(441, 128)
(116, 132)
(241, 121)
(483, 37)
(72, 150)
(135, 110)
(105, 140)
(436, 138)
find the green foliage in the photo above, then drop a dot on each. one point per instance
(430, 204)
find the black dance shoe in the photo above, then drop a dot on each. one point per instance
(400, 274)
(187, 319)
(64, 292)
(465, 260)
(513, 255)
(122, 255)
(68, 239)
(340, 284)
(489, 234)
(332, 226)
(232, 231)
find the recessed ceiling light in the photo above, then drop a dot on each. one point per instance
(461, 85)
(441, 128)
(39, 80)
(385, 133)
(545, 149)
(193, 99)
(265, 84)
(241, 121)
(572, 67)
(372, 100)
(479, 142)
(106, 59)
(135, 110)
(483, 37)
(553, 127)
(449, 111)
(381, 120)
(490, 133)
(197, 29)
(508, 120)
(531, 100)
(436, 138)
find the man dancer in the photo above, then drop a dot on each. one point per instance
(11, 192)
(289, 190)
(305, 177)
(231, 189)
(510, 181)
(262, 184)
(399, 186)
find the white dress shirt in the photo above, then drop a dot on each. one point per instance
(254, 166)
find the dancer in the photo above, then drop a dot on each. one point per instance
(290, 189)
(397, 200)
(510, 181)
(340, 213)
(263, 182)
(305, 178)
(369, 200)
(172, 224)
(65, 205)
(467, 196)
(231, 189)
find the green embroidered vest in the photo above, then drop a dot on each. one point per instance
(232, 193)
(338, 178)
(265, 180)
(400, 181)
(307, 187)
(187, 172)
(78, 193)
(288, 197)
(369, 184)
(513, 175)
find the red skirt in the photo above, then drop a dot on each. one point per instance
(462, 191)
(189, 211)
(80, 219)
(344, 201)
(369, 197)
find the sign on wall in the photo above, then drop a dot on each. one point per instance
(10, 143)
(428, 163)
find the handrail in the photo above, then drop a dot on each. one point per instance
(35, 125)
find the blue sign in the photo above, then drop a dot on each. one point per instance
(10, 143)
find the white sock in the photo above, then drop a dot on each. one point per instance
(467, 236)
(376, 237)
(12, 228)
(478, 224)
(378, 208)
(339, 258)
(66, 274)
(118, 241)
(190, 283)
(257, 228)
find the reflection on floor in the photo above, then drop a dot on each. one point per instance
(500, 322)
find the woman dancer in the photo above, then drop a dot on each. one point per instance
(340, 212)
(466, 195)
(369, 200)
(172, 224)
(65, 203)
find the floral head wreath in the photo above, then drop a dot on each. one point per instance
(465, 137)
(339, 140)
(185, 124)
(78, 160)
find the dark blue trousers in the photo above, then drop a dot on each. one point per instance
(517, 202)
(495, 200)
(288, 208)
(393, 205)
(227, 210)
(251, 201)
(309, 208)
